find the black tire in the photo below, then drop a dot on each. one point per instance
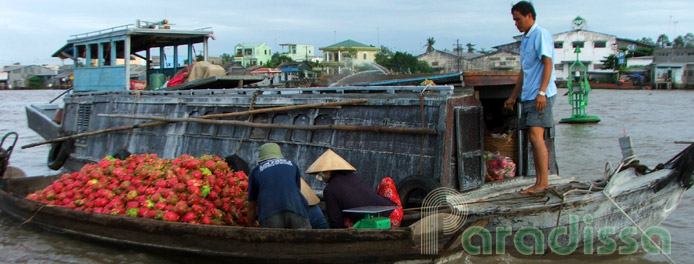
(236, 163)
(414, 189)
(122, 154)
(59, 153)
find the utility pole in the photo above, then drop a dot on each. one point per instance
(457, 52)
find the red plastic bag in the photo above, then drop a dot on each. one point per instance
(178, 79)
(137, 85)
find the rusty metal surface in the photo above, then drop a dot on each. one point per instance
(474, 79)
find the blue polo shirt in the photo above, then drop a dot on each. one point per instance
(274, 184)
(536, 43)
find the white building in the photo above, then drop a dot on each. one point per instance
(595, 47)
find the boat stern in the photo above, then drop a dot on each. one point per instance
(44, 119)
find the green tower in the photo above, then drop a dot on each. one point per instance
(578, 93)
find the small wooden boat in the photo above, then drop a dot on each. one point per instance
(239, 244)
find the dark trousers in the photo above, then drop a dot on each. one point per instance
(286, 219)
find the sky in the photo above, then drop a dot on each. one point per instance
(33, 30)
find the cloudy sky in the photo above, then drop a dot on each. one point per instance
(33, 30)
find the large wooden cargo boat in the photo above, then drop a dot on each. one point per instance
(421, 136)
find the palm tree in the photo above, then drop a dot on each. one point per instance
(430, 44)
(470, 47)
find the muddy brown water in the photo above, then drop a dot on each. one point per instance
(653, 119)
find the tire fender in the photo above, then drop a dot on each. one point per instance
(237, 163)
(59, 153)
(415, 184)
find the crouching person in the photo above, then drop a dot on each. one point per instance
(274, 195)
(347, 190)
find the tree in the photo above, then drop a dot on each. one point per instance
(646, 40)
(689, 40)
(383, 56)
(401, 62)
(470, 47)
(351, 53)
(642, 51)
(610, 62)
(226, 58)
(277, 59)
(430, 44)
(36, 82)
(678, 42)
(663, 41)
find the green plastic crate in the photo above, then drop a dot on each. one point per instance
(373, 223)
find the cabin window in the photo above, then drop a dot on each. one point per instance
(301, 135)
(120, 48)
(280, 134)
(259, 133)
(93, 55)
(81, 55)
(600, 44)
(558, 44)
(105, 54)
(578, 44)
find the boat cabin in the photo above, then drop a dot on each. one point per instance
(101, 63)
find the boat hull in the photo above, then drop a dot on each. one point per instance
(586, 222)
(238, 243)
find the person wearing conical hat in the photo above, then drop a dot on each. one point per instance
(274, 192)
(315, 214)
(345, 189)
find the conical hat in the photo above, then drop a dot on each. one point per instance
(308, 193)
(330, 161)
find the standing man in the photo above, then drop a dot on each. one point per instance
(536, 87)
(274, 194)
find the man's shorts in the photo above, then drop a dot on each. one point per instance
(530, 117)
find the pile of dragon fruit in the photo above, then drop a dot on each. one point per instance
(185, 189)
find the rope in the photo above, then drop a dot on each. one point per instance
(637, 225)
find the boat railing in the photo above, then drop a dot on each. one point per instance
(102, 31)
(438, 89)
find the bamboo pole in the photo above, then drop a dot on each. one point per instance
(158, 123)
(401, 130)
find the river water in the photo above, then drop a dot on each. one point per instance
(653, 119)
